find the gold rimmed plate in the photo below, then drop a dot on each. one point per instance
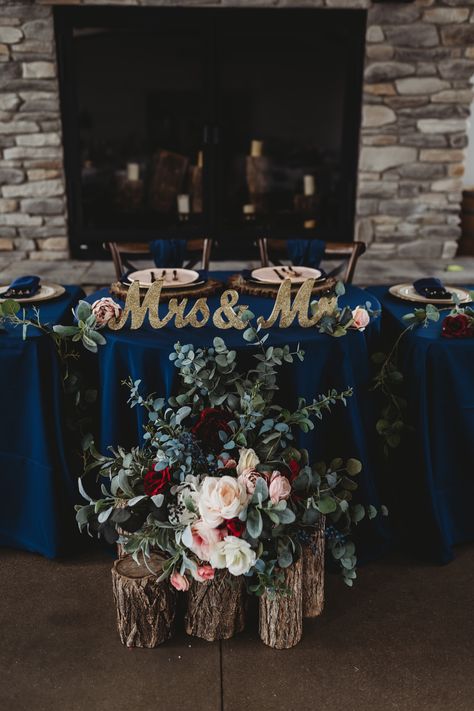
(407, 292)
(46, 292)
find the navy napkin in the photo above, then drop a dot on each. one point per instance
(168, 252)
(22, 287)
(306, 252)
(431, 288)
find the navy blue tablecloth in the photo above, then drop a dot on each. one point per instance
(431, 473)
(37, 488)
(329, 363)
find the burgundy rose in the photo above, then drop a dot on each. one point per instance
(458, 326)
(154, 482)
(236, 527)
(211, 422)
(294, 467)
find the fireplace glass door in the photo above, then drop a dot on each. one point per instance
(225, 123)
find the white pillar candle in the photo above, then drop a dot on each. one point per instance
(183, 204)
(133, 172)
(248, 209)
(256, 149)
(309, 185)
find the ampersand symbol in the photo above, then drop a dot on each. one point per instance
(226, 316)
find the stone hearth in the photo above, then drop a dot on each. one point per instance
(419, 61)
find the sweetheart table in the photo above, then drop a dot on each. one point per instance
(38, 489)
(431, 473)
(329, 363)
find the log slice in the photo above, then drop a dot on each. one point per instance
(216, 608)
(281, 616)
(145, 607)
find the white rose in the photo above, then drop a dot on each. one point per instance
(233, 553)
(221, 498)
(248, 459)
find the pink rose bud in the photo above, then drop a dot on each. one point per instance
(179, 582)
(360, 318)
(230, 464)
(105, 309)
(205, 572)
(279, 489)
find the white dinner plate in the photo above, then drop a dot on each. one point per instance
(173, 278)
(407, 292)
(276, 275)
(47, 291)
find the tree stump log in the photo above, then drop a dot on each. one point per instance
(216, 608)
(313, 572)
(145, 607)
(281, 616)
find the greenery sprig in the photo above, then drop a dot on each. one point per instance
(389, 379)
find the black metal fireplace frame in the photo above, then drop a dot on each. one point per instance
(86, 242)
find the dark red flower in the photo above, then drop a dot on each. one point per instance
(154, 482)
(235, 526)
(458, 326)
(211, 422)
(294, 466)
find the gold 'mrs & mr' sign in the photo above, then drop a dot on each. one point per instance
(228, 315)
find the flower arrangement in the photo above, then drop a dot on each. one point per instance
(219, 483)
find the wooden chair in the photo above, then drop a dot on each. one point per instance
(196, 249)
(273, 250)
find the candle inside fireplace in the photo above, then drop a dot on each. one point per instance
(309, 185)
(133, 172)
(256, 149)
(248, 209)
(183, 204)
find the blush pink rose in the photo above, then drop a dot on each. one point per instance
(360, 318)
(202, 539)
(105, 309)
(205, 572)
(179, 582)
(248, 478)
(280, 488)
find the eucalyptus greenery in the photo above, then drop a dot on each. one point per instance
(389, 379)
(275, 530)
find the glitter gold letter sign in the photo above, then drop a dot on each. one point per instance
(228, 315)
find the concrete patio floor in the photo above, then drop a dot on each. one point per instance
(401, 640)
(369, 270)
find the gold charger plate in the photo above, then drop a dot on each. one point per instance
(47, 291)
(206, 288)
(407, 292)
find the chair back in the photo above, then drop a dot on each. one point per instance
(197, 250)
(273, 250)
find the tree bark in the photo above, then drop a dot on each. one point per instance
(216, 608)
(281, 616)
(313, 572)
(145, 607)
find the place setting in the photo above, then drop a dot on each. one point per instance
(265, 281)
(429, 290)
(176, 282)
(30, 290)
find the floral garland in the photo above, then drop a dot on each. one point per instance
(389, 379)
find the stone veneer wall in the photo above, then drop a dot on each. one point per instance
(417, 94)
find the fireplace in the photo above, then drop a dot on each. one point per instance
(203, 122)
(417, 66)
